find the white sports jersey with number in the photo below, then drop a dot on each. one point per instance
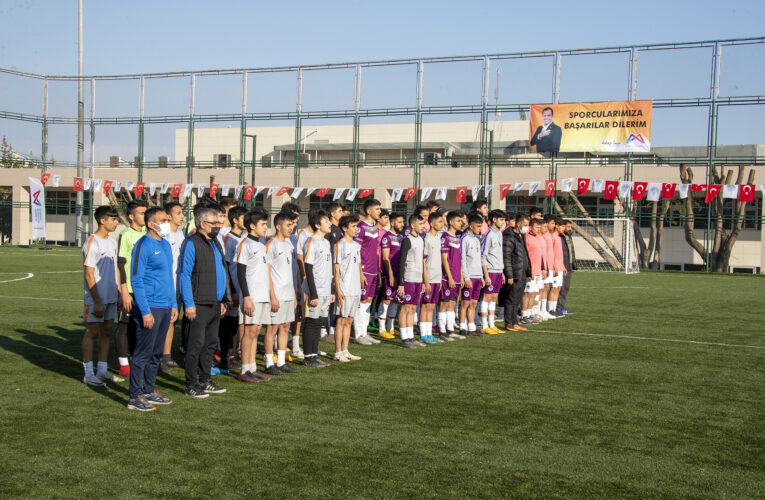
(279, 254)
(318, 255)
(347, 254)
(252, 254)
(101, 255)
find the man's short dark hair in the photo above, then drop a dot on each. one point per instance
(384, 212)
(479, 203)
(567, 222)
(415, 218)
(234, 213)
(134, 204)
(333, 206)
(315, 217)
(347, 220)
(548, 218)
(281, 218)
(433, 216)
(454, 214)
(104, 212)
(369, 203)
(535, 222)
(548, 108)
(252, 218)
(228, 202)
(170, 205)
(421, 208)
(535, 210)
(520, 217)
(559, 221)
(496, 214)
(289, 206)
(432, 203)
(475, 219)
(397, 215)
(151, 212)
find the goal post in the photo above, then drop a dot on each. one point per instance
(605, 245)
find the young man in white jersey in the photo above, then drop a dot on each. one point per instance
(230, 332)
(431, 286)
(368, 238)
(472, 272)
(493, 268)
(412, 274)
(349, 281)
(101, 276)
(255, 283)
(174, 210)
(317, 286)
(281, 296)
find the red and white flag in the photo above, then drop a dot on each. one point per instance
(213, 190)
(107, 186)
(550, 187)
(746, 192)
(668, 190)
(638, 190)
(365, 192)
(77, 184)
(139, 189)
(712, 190)
(503, 189)
(283, 190)
(582, 186)
(697, 188)
(321, 193)
(177, 190)
(44, 177)
(410, 192)
(611, 190)
(248, 192)
(462, 194)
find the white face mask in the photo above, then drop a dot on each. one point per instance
(525, 230)
(164, 230)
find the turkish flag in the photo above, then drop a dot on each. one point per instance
(213, 190)
(462, 194)
(668, 190)
(321, 193)
(582, 186)
(697, 188)
(410, 192)
(177, 190)
(248, 192)
(550, 187)
(44, 177)
(107, 186)
(638, 190)
(746, 192)
(283, 190)
(712, 190)
(365, 192)
(138, 191)
(77, 186)
(503, 189)
(611, 190)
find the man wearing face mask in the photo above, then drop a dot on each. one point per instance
(151, 276)
(517, 270)
(205, 292)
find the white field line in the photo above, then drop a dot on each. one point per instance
(28, 275)
(615, 287)
(48, 272)
(630, 337)
(39, 298)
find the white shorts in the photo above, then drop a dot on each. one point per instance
(548, 277)
(350, 306)
(558, 280)
(285, 314)
(320, 310)
(110, 313)
(260, 316)
(534, 285)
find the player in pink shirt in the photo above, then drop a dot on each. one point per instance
(536, 250)
(559, 268)
(548, 235)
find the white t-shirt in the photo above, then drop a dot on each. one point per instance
(230, 244)
(101, 255)
(303, 236)
(252, 254)
(347, 254)
(279, 255)
(318, 254)
(176, 240)
(432, 252)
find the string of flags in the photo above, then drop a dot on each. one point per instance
(650, 191)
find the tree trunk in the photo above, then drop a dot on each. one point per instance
(593, 243)
(648, 258)
(598, 229)
(656, 259)
(686, 177)
(728, 241)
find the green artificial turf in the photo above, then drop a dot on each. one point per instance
(600, 404)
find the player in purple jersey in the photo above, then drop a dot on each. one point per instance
(451, 261)
(367, 237)
(390, 245)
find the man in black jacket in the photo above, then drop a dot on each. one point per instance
(517, 270)
(547, 136)
(569, 261)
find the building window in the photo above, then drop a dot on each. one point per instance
(64, 202)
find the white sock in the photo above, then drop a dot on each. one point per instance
(88, 367)
(123, 361)
(450, 317)
(423, 329)
(382, 315)
(484, 321)
(471, 327)
(441, 322)
(280, 358)
(483, 307)
(543, 305)
(410, 332)
(416, 316)
(295, 343)
(269, 357)
(552, 304)
(391, 316)
(491, 320)
(102, 367)
(463, 325)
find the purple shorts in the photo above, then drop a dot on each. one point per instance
(494, 285)
(369, 290)
(412, 293)
(388, 292)
(474, 292)
(433, 296)
(449, 294)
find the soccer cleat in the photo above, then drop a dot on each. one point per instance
(214, 370)
(322, 353)
(261, 375)
(233, 364)
(289, 357)
(365, 340)
(285, 368)
(124, 371)
(164, 366)
(329, 338)
(496, 329)
(157, 399)
(216, 357)
(213, 388)
(314, 362)
(93, 380)
(273, 370)
(140, 404)
(248, 377)
(428, 339)
(488, 331)
(196, 391)
(341, 357)
(519, 328)
(299, 354)
(372, 339)
(108, 377)
(396, 333)
(463, 333)
(352, 357)
(418, 343)
(387, 335)
(456, 336)
(445, 337)
(408, 344)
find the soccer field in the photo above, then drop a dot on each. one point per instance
(655, 387)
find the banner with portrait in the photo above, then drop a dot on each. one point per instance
(608, 127)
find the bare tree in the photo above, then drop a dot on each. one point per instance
(612, 256)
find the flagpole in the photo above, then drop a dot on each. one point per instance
(80, 127)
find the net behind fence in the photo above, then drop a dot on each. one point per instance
(605, 244)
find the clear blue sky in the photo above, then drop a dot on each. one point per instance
(142, 36)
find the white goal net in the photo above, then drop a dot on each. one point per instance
(605, 244)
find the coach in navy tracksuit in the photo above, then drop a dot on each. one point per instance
(152, 280)
(205, 293)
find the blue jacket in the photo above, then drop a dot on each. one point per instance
(151, 275)
(195, 271)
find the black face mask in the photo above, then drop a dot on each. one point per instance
(214, 232)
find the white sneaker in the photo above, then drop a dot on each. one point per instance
(351, 356)
(372, 339)
(322, 353)
(92, 380)
(108, 377)
(299, 354)
(364, 340)
(341, 357)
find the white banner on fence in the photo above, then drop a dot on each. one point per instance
(37, 207)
